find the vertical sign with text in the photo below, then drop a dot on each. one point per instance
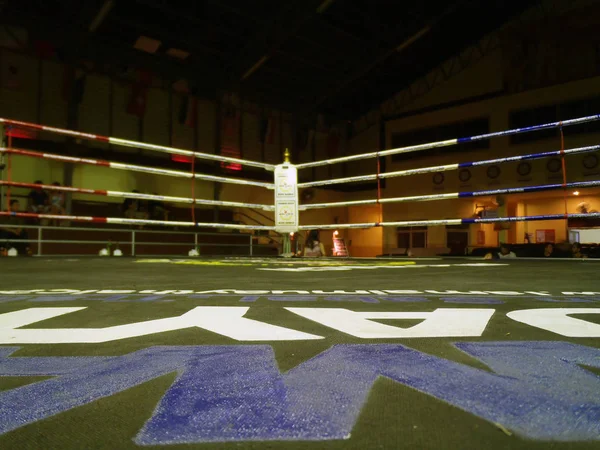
(286, 198)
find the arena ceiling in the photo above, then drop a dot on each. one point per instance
(330, 56)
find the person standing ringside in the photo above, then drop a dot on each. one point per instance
(313, 247)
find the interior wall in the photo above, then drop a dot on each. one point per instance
(364, 142)
(36, 95)
(368, 241)
(483, 77)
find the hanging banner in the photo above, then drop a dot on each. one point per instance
(542, 236)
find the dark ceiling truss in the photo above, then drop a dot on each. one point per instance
(304, 61)
(289, 19)
(186, 14)
(336, 57)
(181, 39)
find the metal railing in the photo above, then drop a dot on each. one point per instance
(133, 241)
(274, 237)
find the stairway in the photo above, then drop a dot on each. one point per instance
(339, 248)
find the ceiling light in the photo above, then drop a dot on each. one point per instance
(178, 53)
(576, 193)
(146, 44)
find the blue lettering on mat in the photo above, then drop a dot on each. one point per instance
(473, 300)
(292, 298)
(236, 393)
(404, 299)
(351, 298)
(126, 298)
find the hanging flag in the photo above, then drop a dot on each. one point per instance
(349, 129)
(139, 94)
(145, 77)
(188, 113)
(263, 126)
(301, 138)
(266, 130)
(44, 49)
(74, 81)
(11, 78)
(79, 87)
(231, 152)
(321, 122)
(230, 121)
(333, 142)
(310, 141)
(271, 131)
(137, 100)
(68, 80)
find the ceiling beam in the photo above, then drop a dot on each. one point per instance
(99, 49)
(381, 56)
(101, 15)
(332, 54)
(303, 60)
(185, 14)
(102, 51)
(247, 14)
(181, 38)
(381, 33)
(264, 45)
(345, 34)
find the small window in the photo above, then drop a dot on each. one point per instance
(474, 127)
(419, 239)
(530, 117)
(404, 239)
(580, 108)
(413, 237)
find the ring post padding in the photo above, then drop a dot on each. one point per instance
(286, 198)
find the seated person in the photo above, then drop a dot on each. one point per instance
(576, 251)
(38, 200)
(133, 208)
(504, 253)
(312, 246)
(57, 201)
(555, 251)
(157, 210)
(10, 228)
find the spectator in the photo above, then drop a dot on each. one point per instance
(576, 251)
(38, 199)
(57, 203)
(504, 253)
(557, 250)
(11, 228)
(133, 209)
(157, 210)
(312, 247)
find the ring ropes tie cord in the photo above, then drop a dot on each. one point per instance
(8, 169)
(564, 173)
(379, 189)
(193, 189)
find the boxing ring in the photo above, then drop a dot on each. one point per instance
(286, 206)
(358, 353)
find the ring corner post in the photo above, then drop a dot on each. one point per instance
(286, 201)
